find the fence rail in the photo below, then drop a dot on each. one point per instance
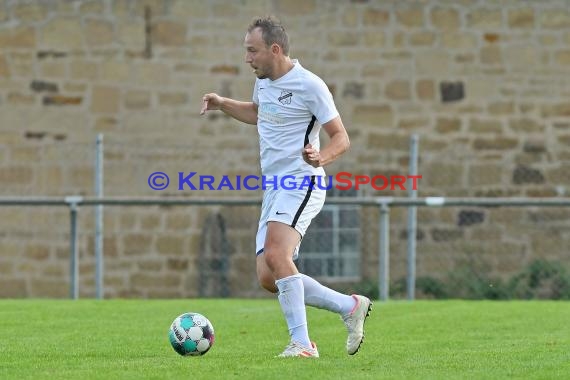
(383, 203)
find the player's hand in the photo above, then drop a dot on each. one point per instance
(211, 102)
(311, 156)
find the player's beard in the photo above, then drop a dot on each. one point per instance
(260, 73)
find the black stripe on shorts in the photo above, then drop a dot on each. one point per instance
(305, 201)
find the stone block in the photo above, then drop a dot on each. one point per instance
(170, 245)
(137, 99)
(13, 287)
(451, 91)
(295, 7)
(485, 18)
(92, 7)
(106, 124)
(60, 100)
(423, 38)
(178, 222)
(21, 99)
(62, 33)
(136, 244)
(25, 154)
(37, 252)
(4, 67)
(375, 17)
(225, 69)
(172, 98)
(155, 280)
(448, 125)
(51, 69)
(374, 115)
(16, 175)
(491, 37)
(555, 19)
(485, 126)
(413, 123)
(18, 37)
(526, 125)
(459, 41)
(29, 13)
(411, 17)
(398, 90)
(388, 141)
(555, 110)
(150, 222)
(485, 174)
(442, 175)
(445, 18)
(353, 90)
(498, 143)
(340, 39)
(491, 55)
(522, 58)
(114, 71)
(98, 32)
(501, 108)
(432, 63)
(470, 217)
(131, 33)
(562, 58)
(425, 89)
(151, 265)
(446, 235)
(81, 69)
(169, 33)
(105, 99)
(51, 288)
(152, 74)
(521, 18)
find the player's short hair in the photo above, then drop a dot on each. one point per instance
(272, 32)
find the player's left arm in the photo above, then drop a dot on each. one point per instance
(337, 145)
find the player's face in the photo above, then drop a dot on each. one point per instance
(258, 55)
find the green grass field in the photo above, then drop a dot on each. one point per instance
(127, 339)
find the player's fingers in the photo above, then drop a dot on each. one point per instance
(204, 106)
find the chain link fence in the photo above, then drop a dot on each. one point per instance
(208, 250)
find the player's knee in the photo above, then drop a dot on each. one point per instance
(272, 258)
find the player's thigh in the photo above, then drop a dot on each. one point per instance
(281, 240)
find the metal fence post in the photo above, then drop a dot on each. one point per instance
(384, 259)
(99, 287)
(73, 255)
(412, 220)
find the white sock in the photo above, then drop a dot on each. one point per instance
(320, 296)
(292, 299)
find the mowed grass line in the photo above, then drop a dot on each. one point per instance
(127, 339)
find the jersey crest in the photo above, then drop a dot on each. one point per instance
(285, 97)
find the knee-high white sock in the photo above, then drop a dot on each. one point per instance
(320, 296)
(292, 299)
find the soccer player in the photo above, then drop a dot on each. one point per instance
(290, 105)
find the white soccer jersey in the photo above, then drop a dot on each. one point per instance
(290, 112)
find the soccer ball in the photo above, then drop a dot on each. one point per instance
(191, 334)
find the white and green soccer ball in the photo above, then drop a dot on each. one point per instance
(191, 334)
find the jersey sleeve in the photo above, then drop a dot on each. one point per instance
(320, 100)
(255, 97)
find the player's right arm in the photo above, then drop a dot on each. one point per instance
(243, 111)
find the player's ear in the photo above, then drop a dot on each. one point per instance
(275, 49)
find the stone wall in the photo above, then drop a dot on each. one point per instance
(484, 83)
